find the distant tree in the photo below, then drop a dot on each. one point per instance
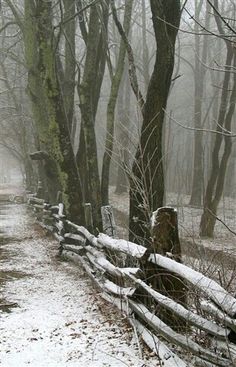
(115, 85)
(223, 143)
(123, 124)
(95, 38)
(200, 70)
(16, 125)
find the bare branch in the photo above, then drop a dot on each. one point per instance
(132, 67)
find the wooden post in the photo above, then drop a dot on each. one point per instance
(59, 197)
(164, 232)
(61, 230)
(108, 221)
(88, 217)
(165, 241)
(40, 193)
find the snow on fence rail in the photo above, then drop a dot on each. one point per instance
(208, 337)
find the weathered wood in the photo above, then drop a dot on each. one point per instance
(60, 209)
(40, 191)
(80, 250)
(117, 290)
(201, 363)
(36, 200)
(54, 208)
(92, 260)
(58, 226)
(58, 216)
(228, 349)
(211, 288)
(165, 240)
(59, 197)
(219, 315)
(98, 267)
(168, 358)
(59, 238)
(108, 221)
(88, 217)
(164, 232)
(107, 266)
(46, 211)
(76, 239)
(189, 316)
(170, 335)
(124, 246)
(82, 230)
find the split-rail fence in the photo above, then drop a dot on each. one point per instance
(203, 335)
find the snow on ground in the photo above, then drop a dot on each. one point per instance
(60, 318)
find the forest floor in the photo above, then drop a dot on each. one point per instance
(51, 314)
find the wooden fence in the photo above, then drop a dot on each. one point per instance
(116, 266)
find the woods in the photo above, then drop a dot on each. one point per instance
(75, 62)
(98, 95)
(117, 129)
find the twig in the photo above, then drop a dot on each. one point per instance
(220, 220)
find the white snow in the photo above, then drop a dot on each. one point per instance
(61, 320)
(127, 247)
(218, 294)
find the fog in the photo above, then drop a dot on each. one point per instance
(197, 109)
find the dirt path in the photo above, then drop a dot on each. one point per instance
(58, 318)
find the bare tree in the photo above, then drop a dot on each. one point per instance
(147, 179)
(217, 175)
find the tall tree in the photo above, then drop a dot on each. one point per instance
(89, 92)
(115, 85)
(199, 76)
(147, 180)
(48, 103)
(223, 141)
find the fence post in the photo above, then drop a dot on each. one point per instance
(164, 232)
(165, 241)
(108, 221)
(88, 217)
(40, 193)
(109, 228)
(61, 230)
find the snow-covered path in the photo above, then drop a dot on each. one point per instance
(60, 319)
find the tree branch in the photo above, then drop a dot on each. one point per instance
(132, 67)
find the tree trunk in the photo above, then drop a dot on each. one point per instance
(87, 109)
(124, 127)
(57, 131)
(216, 180)
(199, 75)
(68, 82)
(147, 179)
(115, 85)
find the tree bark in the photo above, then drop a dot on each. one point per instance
(199, 74)
(88, 108)
(115, 85)
(124, 127)
(147, 179)
(57, 130)
(216, 179)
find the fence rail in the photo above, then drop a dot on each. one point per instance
(209, 334)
